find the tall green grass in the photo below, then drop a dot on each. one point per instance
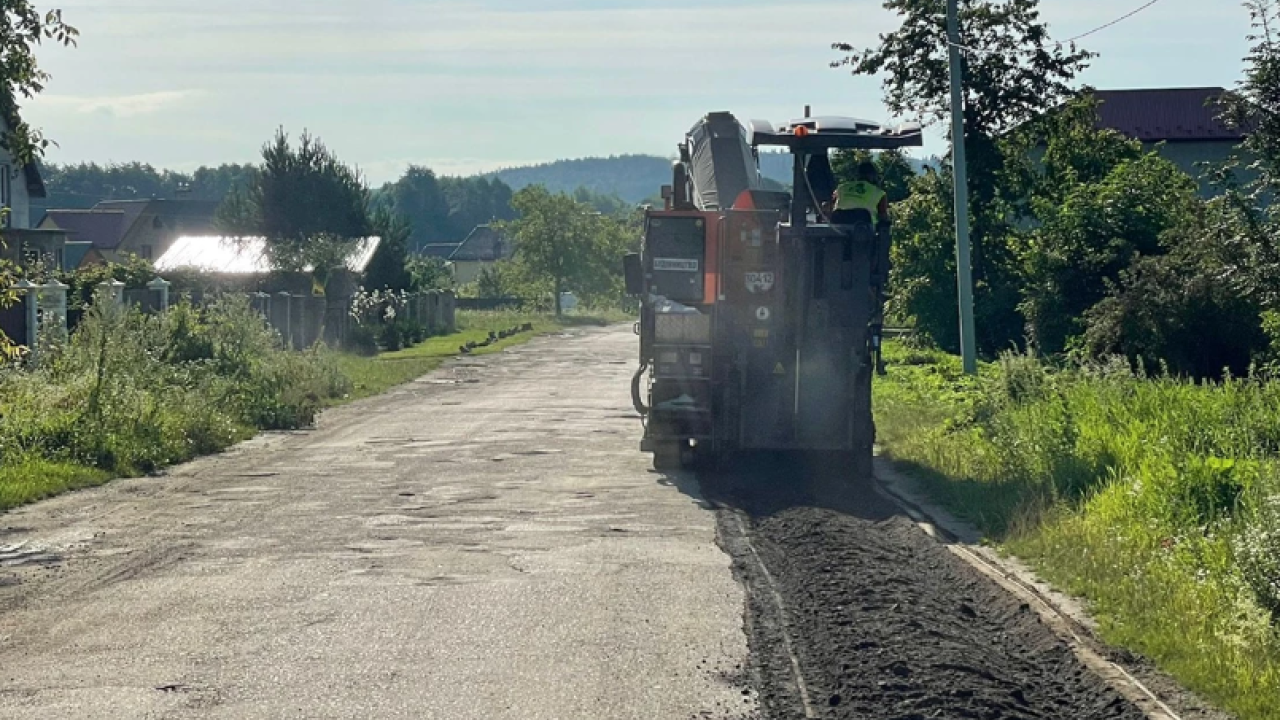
(29, 480)
(129, 394)
(1156, 499)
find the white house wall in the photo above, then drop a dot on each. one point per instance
(16, 181)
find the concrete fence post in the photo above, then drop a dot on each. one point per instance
(112, 290)
(299, 302)
(431, 309)
(53, 299)
(161, 286)
(28, 289)
(284, 326)
(449, 301)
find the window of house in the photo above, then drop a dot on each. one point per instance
(145, 252)
(6, 195)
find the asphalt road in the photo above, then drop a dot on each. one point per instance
(483, 543)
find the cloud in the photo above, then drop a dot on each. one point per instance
(124, 106)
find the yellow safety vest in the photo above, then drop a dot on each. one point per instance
(860, 195)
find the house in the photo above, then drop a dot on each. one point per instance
(117, 229)
(484, 247)
(23, 245)
(439, 250)
(1185, 120)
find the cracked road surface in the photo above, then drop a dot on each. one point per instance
(484, 543)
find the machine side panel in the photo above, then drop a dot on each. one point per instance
(753, 332)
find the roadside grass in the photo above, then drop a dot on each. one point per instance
(1154, 499)
(374, 375)
(29, 480)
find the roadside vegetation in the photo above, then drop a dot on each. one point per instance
(1157, 499)
(1123, 434)
(130, 394)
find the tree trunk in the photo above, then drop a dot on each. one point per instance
(558, 286)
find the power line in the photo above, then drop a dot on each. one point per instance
(1117, 21)
(1060, 43)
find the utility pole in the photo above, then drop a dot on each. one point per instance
(960, 174)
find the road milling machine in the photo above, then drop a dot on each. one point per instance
(760, 318)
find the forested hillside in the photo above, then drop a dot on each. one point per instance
(84, 185)
(634, 178)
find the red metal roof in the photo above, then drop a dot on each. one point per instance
(1165, 114)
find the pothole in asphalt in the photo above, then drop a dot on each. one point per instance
(22, 555)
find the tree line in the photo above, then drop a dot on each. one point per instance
(1085, 243)
(313, 210)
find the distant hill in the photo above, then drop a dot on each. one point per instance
(634, 178)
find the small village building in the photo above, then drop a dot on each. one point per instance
(115, 230)
(483, 248)
(1183, 125)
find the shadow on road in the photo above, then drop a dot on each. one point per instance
(766, 484)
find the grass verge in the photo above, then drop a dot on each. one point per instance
(1155, 500)
(30, 480)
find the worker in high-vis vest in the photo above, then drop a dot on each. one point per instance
(862, 201)
(856, 197)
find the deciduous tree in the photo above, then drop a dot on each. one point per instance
(1014, 72)
(22, 28)
(564, 245)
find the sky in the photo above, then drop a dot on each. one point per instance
(467, 86)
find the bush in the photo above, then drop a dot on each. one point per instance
(391, 336)
(361, 340)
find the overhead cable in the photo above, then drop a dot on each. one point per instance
(1060, 43)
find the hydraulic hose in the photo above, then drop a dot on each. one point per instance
(636, 400)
